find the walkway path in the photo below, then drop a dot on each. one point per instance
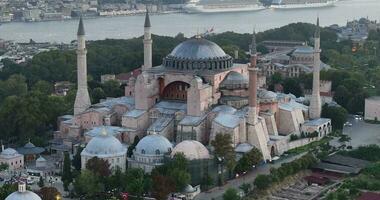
(217, 192)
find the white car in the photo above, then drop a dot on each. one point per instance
(348, 124)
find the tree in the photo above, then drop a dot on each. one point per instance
(77, 159)
(14, 85)
(44, 87)
(67, 177)
(224, 151)
(342, 95)
(246, 187)
(48, 193)
(112, 88)
(337, 114)
(136, 180)
(162, 186)
(254, 156)
(181, 178)
(276, 78)
(7, 189)
(291, 85)
(99, 166)
(231, 194)
(116, 182)
(97, 94)
(177, 170)
(3, 166)
(262, 182)
(41, 182)
(133, 146)
(87, 184)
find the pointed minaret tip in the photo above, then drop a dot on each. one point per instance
(253, 45)
(317, 30)
(147, 19)
(81, 27)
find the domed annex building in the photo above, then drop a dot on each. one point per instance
(105, 146)
(23, 194)
(200, 162)
(150, 152)
(196, 93)
(12, 158)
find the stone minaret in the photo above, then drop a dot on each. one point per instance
(147, 43)
(82, 99)
(252, 100)
(315, 101)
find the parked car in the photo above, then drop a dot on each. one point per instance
(348, 124)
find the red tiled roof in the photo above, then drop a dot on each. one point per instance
(126, 76)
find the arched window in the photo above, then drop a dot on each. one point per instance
(157, 152)
(143, 151)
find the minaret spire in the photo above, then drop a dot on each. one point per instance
(82, 99)
(252, 70)
(315, 101)
(253, 47)
(147, 42)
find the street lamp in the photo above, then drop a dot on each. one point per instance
(58, 197)
(220, 171)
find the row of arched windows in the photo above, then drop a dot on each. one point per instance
(198, 65)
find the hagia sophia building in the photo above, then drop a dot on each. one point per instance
(196, 93)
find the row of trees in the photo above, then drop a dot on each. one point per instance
(276, 175)
(28, 113)
(97, 181)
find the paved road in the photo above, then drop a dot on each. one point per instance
(361, 133)
(217, 193)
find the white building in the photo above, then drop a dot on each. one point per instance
(372, 108)
(106, 147)
(12, 158)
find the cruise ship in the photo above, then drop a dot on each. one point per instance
(214, 6)
(293, 4)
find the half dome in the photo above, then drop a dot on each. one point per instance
(234, 80)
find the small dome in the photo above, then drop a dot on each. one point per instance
(23, 194)
(154, 145)
(234, 80)
(9, 152)
(189, 189)
(267, 95)
(27, 195)
(224, 109)
(41, 159)
(104, 144)
(29, 145)
(193, 150)
(243, 148)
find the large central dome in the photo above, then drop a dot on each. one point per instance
(198, 54)
(197, 49)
